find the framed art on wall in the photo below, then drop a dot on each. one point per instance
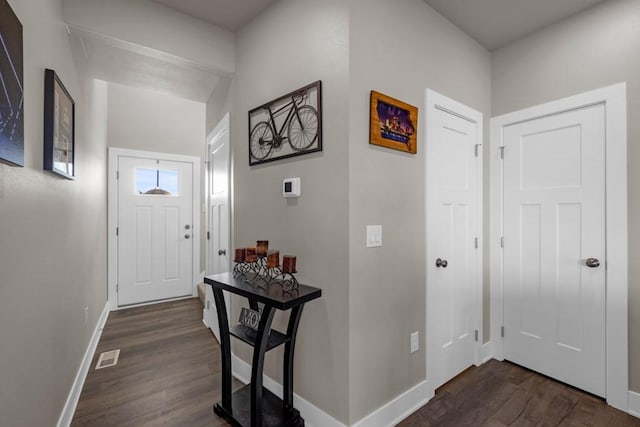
(393, 123)
(11, 87)
(59, 127)
(288, 126)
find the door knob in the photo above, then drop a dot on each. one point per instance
(592, 262)
(186, 236)
(441, 263)
(222, 252)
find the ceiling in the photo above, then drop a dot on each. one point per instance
(227, 14)
(496, 23)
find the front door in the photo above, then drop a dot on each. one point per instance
(453, 263)
(554, 246)
(155, 229)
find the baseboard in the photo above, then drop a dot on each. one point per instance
(313, 416)
(399, 408)
(76, 388)
(634, 403)
(486, 352)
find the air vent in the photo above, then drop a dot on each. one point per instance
(108, 359)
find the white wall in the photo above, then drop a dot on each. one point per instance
(291, 44)
(142, 119)
(591, 50)
(52, 236)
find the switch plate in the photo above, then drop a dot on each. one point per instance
(415, 342)
(374, 236)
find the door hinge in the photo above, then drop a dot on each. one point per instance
(475, 242)
(117, 287)
(501, 152)
(476, 335)
(502, 331)
(502, 242)
(476, 148)
(117, 231)
(117, 174)
(208, 235)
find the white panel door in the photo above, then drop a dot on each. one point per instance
(554, 221)
(218, 213)
(451, 243)
(155, 251)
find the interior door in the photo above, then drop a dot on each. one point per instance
(554, 246)
(218, 224)
(452, 255)
(155, 227)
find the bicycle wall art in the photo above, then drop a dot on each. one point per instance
(393, 123)
(288, 126)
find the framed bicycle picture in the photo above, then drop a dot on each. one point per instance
(59, 127)
(288, 126)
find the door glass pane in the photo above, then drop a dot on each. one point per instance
(157, 182)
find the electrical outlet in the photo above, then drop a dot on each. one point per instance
(415, 342)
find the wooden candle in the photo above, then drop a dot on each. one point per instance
(263, 247)
(251, 254)
(273, 259)
(288, 264)
(240, 254)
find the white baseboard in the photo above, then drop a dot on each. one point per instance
(399, 408)
(486, 353)
(76, 388)
(313, 416)
(634, 403)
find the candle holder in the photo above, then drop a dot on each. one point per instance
(261, 267)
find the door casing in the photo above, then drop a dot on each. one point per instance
(617, 353)
(441, 102)
(112, 217)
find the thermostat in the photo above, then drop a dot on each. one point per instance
(291, 187)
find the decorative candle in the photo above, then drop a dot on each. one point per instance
(240, 254)
(251, 254)
(273, 259)
(263, 247)
(288, 264)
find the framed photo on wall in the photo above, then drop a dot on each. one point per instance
(59, 127)
(393, 123)
(11, 87)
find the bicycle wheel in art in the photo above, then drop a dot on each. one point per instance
(261, 141)
(303, 128)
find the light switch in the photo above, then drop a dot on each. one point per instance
(374, 236)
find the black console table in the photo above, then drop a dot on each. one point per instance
(254, 405)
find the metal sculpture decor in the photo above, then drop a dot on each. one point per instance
(261, 267)
(287, 126)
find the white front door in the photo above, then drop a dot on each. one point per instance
(554, 246)
(155, 229)
(453, 261)
(218, 217)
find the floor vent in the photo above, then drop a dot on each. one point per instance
(108, 359)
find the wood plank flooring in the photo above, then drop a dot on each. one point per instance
(168, 373)
(499, 394)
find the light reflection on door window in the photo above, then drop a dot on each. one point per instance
(157, 182)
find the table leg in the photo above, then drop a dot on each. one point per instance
(292, 330)
(225, 348)
(258, 364)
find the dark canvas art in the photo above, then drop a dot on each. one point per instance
(11, 87)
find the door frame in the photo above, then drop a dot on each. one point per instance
(222, 127)
(440, 102)
(112, 217)
(617, 353)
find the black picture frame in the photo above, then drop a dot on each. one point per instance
(278, 130)
(59, 127)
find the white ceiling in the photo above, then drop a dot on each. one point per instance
(496, 23)
(227, 14)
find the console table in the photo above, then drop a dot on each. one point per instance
(254, 405)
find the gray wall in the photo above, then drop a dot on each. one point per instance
(420, 50)
(52, 236)
(291, 44)
(594, 49)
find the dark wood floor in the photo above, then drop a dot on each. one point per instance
(501, 394)
(168, 373)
